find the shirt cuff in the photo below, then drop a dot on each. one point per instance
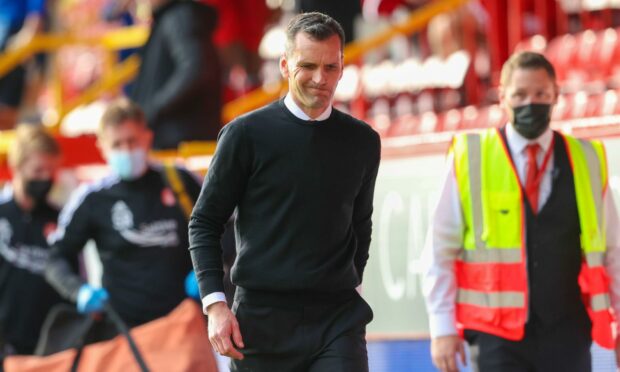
(442, 324)
(212, 298)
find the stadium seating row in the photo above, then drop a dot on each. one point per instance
(572, 106)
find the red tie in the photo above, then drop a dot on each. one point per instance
(531, 180)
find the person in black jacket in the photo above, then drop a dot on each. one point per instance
(26, 218)
(301, 176)
(178, 85)
(136, 222)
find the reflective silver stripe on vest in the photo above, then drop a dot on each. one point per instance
(600, 302)
(491, 299)
(594, 259)
(475, 184)
(594, 167)
(504, 255)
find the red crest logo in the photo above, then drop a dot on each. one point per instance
(167, 197)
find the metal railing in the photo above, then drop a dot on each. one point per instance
(115, 73)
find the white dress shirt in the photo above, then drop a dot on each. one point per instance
(290, 104)
(445, 237)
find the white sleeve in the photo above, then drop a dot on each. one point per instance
(612, 258)
(212, 298)
(444, 242)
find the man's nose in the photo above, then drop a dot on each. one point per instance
(318, 77)
(528, 100)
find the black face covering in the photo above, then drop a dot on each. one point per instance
(38, 189)
(531, 120)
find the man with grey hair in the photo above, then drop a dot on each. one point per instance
(301, 175)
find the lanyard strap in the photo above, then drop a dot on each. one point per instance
(541, 171)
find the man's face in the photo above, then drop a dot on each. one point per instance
(527, 86)
(313, 69)
(38, 166)
(127, 136)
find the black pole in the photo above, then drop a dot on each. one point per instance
(122, 328)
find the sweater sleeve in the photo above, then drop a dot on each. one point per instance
(66, 243)
(187, 37)
(221, 192)
(363, 207)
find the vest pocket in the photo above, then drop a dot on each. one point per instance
(502, 220)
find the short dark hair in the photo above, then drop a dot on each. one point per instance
(119, 111)
(317, 25)
(525, 60)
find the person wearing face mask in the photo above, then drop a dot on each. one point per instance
(523, 254)
(135, 220)
(26, 219)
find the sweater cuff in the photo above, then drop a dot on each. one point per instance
(442, 324)
(212, 298)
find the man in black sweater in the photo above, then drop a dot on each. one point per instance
(301, 176)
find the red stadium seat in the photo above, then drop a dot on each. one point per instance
(611, 103)
(405, 125)
(594, 106)
(497, 117)
(452, 120)
(614, 65)
(470, 118)
(578, 106)
(562, 109)
(606, 54)
(536, 43)
(561, 52)
(429, 122)
(583, 69)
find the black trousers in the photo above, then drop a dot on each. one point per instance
(302, 332)
(562, 347)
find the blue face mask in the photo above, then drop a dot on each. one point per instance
(128, 165)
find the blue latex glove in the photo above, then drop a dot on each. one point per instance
(91, 299)
(191, 286)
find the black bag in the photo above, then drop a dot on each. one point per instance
(65, 328)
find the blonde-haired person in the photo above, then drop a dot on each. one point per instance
(26, 218)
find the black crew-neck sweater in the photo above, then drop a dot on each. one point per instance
(303, 192)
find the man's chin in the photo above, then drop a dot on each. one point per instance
(318, 102)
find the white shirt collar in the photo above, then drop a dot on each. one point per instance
(518, 143)
(298, 112)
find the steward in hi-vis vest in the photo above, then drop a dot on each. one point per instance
(491, 272)
(523, 255)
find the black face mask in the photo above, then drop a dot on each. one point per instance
(38, 189)
(531, 120)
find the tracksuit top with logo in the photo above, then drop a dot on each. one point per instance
(25, 296)
(141, 238)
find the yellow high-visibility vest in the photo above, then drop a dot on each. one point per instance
(491, 271)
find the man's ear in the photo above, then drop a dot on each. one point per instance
(557, 93)
(149, 138)
(503, 102)
(284, 66)
(101, 147)
(501, 94)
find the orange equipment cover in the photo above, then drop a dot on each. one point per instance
(176, 342)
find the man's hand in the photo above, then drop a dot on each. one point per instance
(222, 325)
(444, 351)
